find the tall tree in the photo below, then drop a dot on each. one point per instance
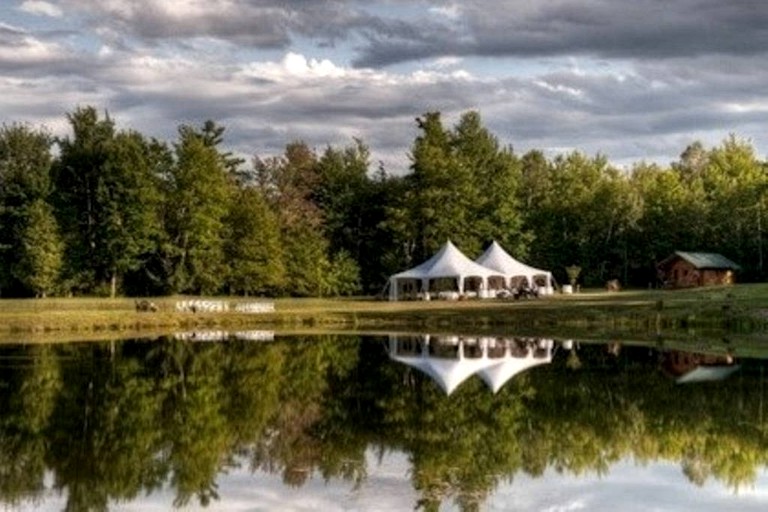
(353, 208)
(440, 194)
(25, 164)
(736, 186)
(492, 194)
(107, 199)
(253, 249)
(289, 182)
(340, 194)
(129, 198)
(79, 181)
(671, 218)
(197, 198)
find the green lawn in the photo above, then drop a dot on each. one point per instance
(741, 308)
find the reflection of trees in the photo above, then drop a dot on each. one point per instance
(104, 433)
(28, 397)
(293, 444)
(111, 425)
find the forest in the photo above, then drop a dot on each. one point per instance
(107, 212)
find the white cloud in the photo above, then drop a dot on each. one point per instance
(41, 8)
(27, 50)
(452, 11)
(445, 62)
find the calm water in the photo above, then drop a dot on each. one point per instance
(254, 421)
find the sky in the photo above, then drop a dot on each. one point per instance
(635, 80)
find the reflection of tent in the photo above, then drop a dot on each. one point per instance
(498, 374)
(496, 258)
(448, 262)
(450, 372)
(447, 372)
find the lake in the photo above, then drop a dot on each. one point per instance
(256, 421)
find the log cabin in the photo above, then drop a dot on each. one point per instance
(689, 269)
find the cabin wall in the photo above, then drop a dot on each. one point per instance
(711, 277)
(681, 274)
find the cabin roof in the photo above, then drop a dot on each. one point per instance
(702, 260)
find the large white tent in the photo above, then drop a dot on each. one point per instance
(496, 258)
(449, 262)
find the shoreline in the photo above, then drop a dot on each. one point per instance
(741, 308)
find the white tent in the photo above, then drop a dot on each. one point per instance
(448, 262)
(496, 258)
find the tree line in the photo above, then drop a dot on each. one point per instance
(104, 211)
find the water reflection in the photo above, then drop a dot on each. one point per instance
(450, 360)
(103, 424)
(219, 335)
(686, 367)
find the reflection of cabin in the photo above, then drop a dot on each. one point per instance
(688, 269)
(697, 367)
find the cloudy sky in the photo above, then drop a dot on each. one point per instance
(632, 79)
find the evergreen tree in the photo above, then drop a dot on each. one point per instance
(197, 199)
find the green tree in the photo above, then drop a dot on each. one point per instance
(670, 218)
(736, 185)
(288, 182)
(253, 250)
(130, 199)
(198, 191)
(40, 256)
(492, 196)
(463, 187)
(352, 211)
(439, 196)
(585, 213)
(79, 189)
(25, 164)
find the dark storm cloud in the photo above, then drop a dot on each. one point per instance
(621, 100)
(635, 29)
(26, 55)
(629, 29)
(257, 24)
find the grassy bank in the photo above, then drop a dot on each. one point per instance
(742, 308)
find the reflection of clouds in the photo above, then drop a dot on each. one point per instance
(627, 487)
(387, 488)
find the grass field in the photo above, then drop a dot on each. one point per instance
(737, 309)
